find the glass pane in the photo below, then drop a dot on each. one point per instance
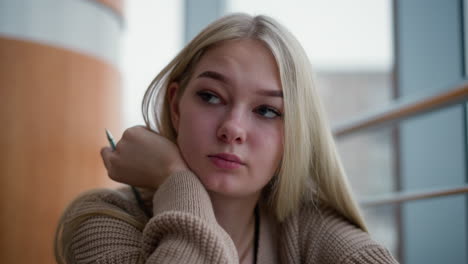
(348, 93)
(369, 159)
(434, 230)
(383, 225)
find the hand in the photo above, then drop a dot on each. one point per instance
(142, 158)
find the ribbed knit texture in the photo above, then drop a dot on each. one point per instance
(183, 229)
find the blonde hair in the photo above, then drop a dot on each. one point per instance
(310, 168)
(310, 163)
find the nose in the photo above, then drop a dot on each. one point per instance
(232, 129)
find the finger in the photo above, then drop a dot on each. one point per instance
(139, 127)
(106, 153)
(118, 146)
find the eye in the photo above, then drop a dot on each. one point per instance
(209, 97)
(267, 112)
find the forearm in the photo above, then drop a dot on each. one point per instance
(183, 228)
(184, 221)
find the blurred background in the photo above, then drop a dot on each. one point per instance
(391, 74)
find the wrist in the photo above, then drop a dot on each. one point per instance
(171, 169)
(179, 167)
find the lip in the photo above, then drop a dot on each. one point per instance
(226, 161)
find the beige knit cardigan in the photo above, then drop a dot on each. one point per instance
(183, 229)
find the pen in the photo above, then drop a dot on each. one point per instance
(111, 140)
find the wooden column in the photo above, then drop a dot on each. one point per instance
(54, 105)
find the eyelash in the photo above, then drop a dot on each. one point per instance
(204, 96)
(271, 109)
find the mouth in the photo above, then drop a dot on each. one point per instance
(226, 161)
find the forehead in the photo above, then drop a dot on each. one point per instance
(245, 62)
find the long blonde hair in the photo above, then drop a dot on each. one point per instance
(310, 166)
(310, 163)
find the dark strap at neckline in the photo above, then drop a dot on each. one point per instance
(257, 232)
(140, 202)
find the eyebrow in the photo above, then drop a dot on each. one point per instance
(215, 76)
(270, 93)
(221, 78)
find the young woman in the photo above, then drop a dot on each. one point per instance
(236, 165)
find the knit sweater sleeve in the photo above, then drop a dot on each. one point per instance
(327, 237)
(183, 228)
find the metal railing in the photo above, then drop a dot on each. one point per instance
(398, 111)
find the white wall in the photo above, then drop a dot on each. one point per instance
(153, 35)
(337, 34)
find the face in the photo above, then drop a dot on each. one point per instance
(229, 119)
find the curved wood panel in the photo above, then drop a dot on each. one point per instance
(117, 6)
(54, 106)
(400, 110)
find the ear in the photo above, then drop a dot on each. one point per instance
(174, 104)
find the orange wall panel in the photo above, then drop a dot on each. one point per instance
(54, 106)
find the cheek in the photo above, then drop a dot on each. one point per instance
(196, 121)
(268, 146)
(195, 131)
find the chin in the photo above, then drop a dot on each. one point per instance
(220, 183)
(226, 185)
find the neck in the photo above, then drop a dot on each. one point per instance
(237, 217)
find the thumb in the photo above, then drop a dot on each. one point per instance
(106, 153)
